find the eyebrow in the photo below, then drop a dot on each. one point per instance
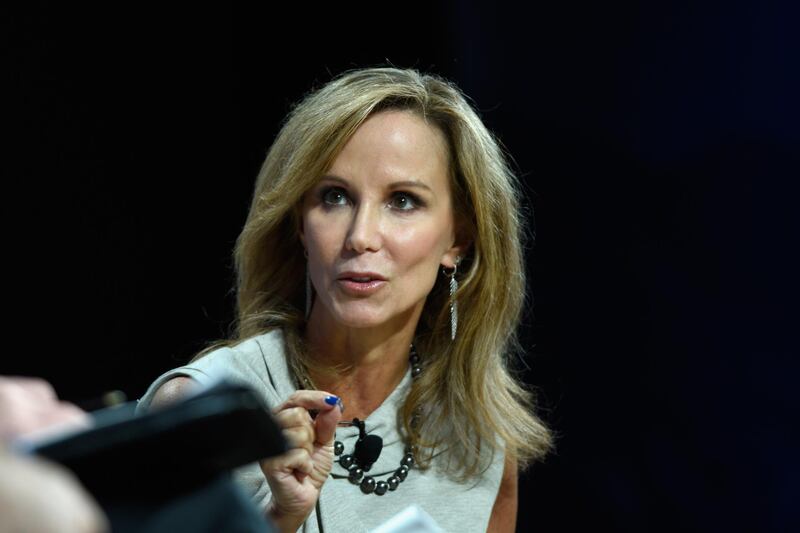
(393, 185)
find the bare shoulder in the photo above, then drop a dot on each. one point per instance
(173, 390)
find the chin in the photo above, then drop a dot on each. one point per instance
(360, 320)
(364, 314)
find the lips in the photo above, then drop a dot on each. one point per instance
(361, 277)
(360, 283)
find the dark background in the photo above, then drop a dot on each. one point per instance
(658, 145)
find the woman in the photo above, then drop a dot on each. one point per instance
(381, 269)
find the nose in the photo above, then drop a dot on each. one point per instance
(365, 231)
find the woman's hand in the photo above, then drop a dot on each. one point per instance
(296, 477)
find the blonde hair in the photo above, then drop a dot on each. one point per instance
(471, 400)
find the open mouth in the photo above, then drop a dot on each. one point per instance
(361, 284)
(361, 277)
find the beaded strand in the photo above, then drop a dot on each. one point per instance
(357, 476)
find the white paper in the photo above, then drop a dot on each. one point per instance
(412, 519)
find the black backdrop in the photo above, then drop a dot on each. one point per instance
(658, 145)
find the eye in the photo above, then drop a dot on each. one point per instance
(333, 196)
(404, 201)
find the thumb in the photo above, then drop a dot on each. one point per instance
(325, 423)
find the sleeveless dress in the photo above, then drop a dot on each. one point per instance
(260, 363)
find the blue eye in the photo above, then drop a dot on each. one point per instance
(334, 196)
(404, 201)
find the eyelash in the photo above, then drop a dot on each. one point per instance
(415, 200)
(325, 192)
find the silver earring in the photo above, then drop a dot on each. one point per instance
(453, 302)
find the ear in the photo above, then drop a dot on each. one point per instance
(455, 254)
(461, 245)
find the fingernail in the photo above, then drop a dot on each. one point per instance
(332, 400)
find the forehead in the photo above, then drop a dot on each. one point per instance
(395, 144)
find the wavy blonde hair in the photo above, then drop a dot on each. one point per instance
(470, 398)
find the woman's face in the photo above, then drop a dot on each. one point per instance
(379, 224)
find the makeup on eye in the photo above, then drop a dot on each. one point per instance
(333, 196)
(406, 201)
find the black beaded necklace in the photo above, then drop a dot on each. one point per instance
(368, 449)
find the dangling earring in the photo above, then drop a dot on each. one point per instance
(308, 287)
(453, 302)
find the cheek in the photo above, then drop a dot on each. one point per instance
(320, 235)
(421, 247)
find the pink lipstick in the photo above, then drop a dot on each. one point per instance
(360, 283)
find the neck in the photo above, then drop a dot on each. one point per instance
(360, 365)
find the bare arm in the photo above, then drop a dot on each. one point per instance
(172, 391)
(504, 512)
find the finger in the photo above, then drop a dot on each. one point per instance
(325, 425)
(320, 401)
(36, 388)
(293, 417)
(65, 414)
(300, 437)
(295, 459)
(58, 418)
(298, 427)
(25, 389)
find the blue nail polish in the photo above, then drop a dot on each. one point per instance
(332, 400)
